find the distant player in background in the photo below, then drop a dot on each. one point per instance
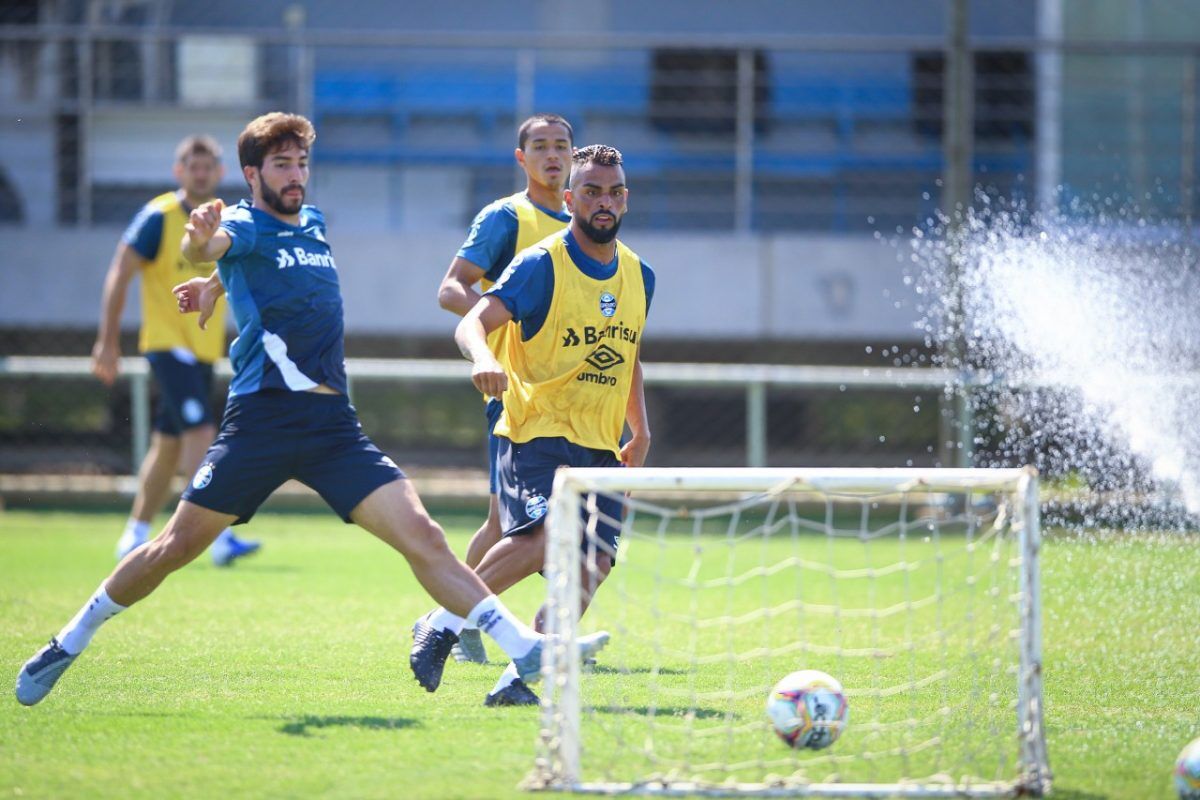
(181, 355)
(288, 415)
(499, 231)
(570, 378)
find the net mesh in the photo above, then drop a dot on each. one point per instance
(913, 599)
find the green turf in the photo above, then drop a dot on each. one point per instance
(287, 676)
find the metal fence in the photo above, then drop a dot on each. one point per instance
(426, 412)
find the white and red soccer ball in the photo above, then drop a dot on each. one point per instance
(808, 709)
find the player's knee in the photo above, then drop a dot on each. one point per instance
(426, 541)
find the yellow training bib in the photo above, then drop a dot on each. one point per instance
(533, 225)
(573, 377)
(163, 327)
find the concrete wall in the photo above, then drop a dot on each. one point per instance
(713, 286)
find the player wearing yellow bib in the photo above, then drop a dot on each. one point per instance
(180, 354)
(569, 377)
(499, 231)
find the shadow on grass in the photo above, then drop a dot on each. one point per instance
(601, 669)
(303, 726)
(1076, 794)
(663, 711)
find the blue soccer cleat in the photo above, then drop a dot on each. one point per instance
(529, 666)
(227, 549)
(41, 672)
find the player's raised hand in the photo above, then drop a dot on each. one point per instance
(204, 221)
(106, 362)
(488, 377)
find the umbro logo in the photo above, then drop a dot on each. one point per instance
(604, 357)
(487, 620)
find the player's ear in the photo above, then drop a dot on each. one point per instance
(519, 154)
(250, 174)
(569, 199)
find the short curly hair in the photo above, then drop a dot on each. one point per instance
(271, 132)
(599, 154)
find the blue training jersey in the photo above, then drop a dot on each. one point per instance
(282, 286)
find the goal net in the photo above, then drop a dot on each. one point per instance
(917, 589)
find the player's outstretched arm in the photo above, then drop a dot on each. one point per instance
(457, 292)
(106, 352)
(471, 337)
(204, 240)
(200, 295)
(633, 454)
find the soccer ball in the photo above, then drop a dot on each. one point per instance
(808, 709)
(1187, 772)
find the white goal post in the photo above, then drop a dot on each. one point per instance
(917, 588)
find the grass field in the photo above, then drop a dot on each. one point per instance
(287, 676)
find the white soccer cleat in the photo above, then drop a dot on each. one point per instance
(529, 666)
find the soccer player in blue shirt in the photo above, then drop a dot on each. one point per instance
(570, 379)
(180, 354)
(288, 415)
(499, 231)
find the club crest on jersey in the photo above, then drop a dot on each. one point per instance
(608, 304)
(535, 507)
(203, 476)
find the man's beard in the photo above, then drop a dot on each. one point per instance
(600, 235)
(275, 199)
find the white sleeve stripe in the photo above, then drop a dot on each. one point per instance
(276, 350)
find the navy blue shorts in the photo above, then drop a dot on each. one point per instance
(272, 435)
(492, 413)
(184, 392)
(527, 476)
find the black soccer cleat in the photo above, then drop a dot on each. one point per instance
(515, 694)
(430, 649)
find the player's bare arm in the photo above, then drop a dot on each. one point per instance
(471, 337)
(204, 240)
(106, 352)
(633, 453)
(457, 292)
(200, 295)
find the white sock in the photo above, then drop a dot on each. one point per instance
(140, 530)
(514, 637)
(506, 678)
(83, 626)
(441, 618)
(224, 536)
